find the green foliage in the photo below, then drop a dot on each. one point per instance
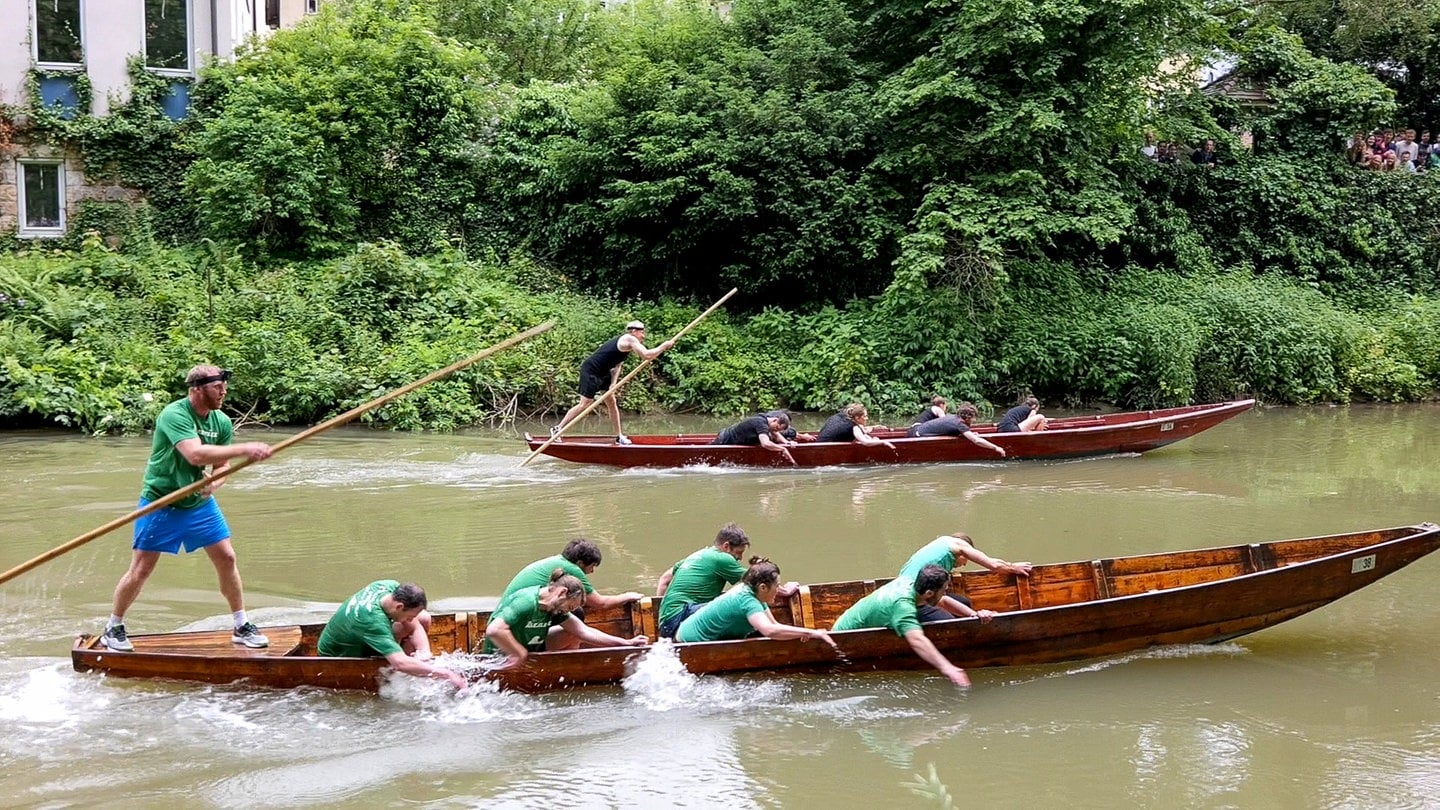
(362, 123)
(708, 156)
(1318, 103)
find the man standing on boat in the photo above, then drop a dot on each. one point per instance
(386, 619)
(896, 605)
(945, 551)
(601, 370)
(190, 434)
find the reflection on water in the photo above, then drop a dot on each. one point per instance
(1332, 709)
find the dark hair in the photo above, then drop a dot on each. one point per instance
(967, 410)
(571, 584)
(731, 535)
(937, 400)
(582, 552)
(762, 572)
(1030, 402)
(931, 578)
(781, 417)
(409, 596)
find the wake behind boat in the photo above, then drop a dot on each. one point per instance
(1061, 612)
(1070, 437)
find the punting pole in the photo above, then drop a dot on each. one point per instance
(162, 502)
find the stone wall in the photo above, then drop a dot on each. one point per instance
(78, 188)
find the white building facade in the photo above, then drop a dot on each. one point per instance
(63, 40)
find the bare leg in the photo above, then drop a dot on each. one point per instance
(1033, 422)
(561, 639)
(575, 411)
(222, 555)
(127, 590)
(614, 414)
(414, 636)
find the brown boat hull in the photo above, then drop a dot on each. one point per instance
(1075, 437)
(1062, 612)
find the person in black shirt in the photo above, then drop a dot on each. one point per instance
(601, 370)
(957, 424)
(935, 411)
(849, 426)
(1023, 418)
(759, 430)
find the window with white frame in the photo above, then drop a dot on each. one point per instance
(42, 197)
(312, 6)
(57, 39)
(167, 35)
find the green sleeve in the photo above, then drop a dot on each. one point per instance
(175, 425)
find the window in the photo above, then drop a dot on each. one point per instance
(57, 32)
(272, 13)
(312, 6)
(42, 198)
(167, 34)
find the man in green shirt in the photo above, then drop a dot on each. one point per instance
(895, 605)
(579, 559)
(190, 434)
(701, 577)
(945, 551)
(386, 619)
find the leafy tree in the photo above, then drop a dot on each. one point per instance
(359, 123)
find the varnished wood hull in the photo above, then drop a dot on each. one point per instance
(1062, 612)
(1074, 437)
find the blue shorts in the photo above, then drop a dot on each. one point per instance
(169, 529)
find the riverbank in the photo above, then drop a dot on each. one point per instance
(97, 340)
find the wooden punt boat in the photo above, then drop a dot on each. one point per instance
(1061, 612)
(1071, 437)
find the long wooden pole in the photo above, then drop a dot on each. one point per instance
(614, 389)
(162, 502)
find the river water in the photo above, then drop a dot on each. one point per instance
(1339, 708)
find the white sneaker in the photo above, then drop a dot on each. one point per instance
(555, 434)
(249, 635)
(623, 439)
(116, 640)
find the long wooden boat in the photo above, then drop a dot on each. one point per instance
(1061, 612)
(1070, 437)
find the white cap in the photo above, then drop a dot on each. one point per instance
(634, 325)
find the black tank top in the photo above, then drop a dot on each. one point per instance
(605, 358)
(838, 428)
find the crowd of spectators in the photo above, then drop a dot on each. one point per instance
(1386, 151)
(1164, 152)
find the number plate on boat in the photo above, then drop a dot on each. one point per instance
(1164, 426)
(1366, 563)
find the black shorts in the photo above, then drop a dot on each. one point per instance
(932, 613)
(592, 385)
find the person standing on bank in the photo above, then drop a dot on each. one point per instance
(601, 371)
(190, 434)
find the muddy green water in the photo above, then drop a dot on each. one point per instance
(1340, 708)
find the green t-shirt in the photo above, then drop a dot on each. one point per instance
(726, 617)
(528, 622)
(167, 470)
(892, 605)
(699, 578)
(936, 552)
(538, 573)
(360, 627)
